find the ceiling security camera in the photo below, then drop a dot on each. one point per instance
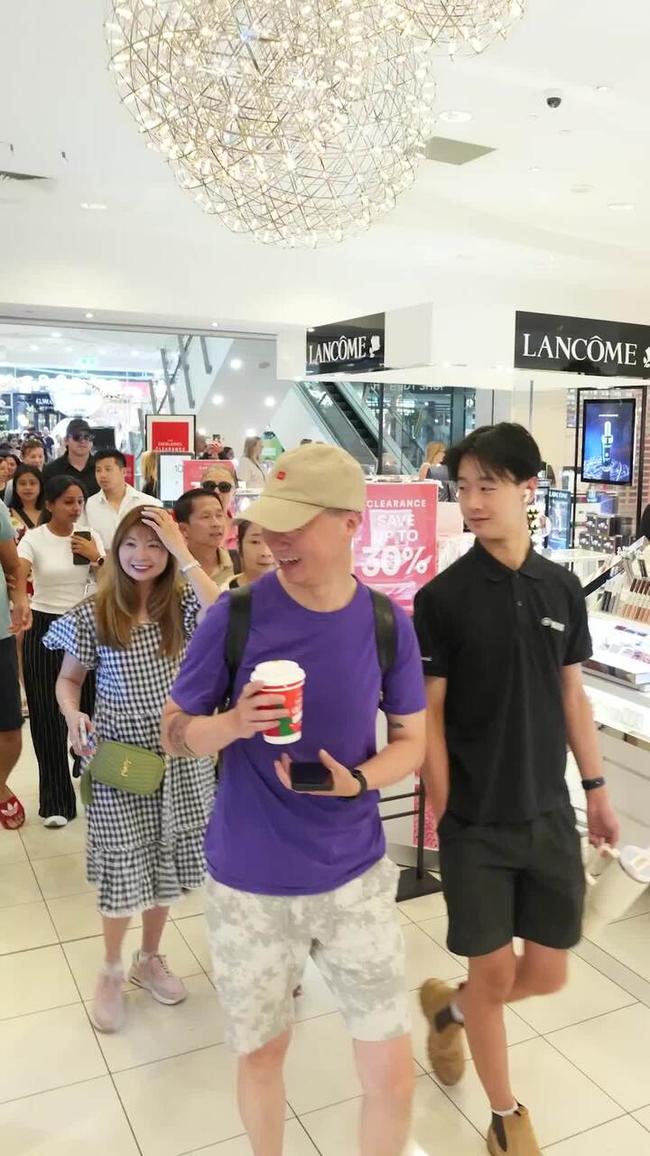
(554, 98)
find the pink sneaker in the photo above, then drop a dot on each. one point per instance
(154, 975)
(108, 1010)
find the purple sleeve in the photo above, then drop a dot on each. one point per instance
(202, 681)
(404, 683)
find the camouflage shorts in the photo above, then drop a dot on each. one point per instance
(261, 943)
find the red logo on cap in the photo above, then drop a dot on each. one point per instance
(281, 475)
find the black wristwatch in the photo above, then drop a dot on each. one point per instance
(363, 784)
(593, 784)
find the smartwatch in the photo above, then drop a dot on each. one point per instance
(593, 784)
(363, 784)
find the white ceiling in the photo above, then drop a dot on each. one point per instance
(83, 348)
(492, 230)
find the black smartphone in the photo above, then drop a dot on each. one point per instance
(311, 777)
(78, 559)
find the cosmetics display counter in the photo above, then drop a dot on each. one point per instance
(617, 678)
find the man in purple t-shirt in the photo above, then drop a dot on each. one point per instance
(294, 874)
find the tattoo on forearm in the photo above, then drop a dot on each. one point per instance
(176, 732)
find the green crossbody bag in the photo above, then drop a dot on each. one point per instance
(123, 767)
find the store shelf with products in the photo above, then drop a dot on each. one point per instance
(617, 679)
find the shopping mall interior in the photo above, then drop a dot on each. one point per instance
(147, 273)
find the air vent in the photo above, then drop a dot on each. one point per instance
(453, 152)
(6, 176)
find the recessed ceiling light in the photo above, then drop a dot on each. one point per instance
(566, 131)
(582, 189)
(250, 433)
(603, 88)
(217, 399)
(34, 348)
(236, 363)
(215, 324)
(455, 116)
(55, 334)
(534, 169)
(269, 402)
(94, 206)
(202, 431)
(89, 316)
(621, 207)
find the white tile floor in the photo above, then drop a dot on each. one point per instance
(165, 1085)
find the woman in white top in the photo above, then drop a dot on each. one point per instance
(250, 470)
(61, 564)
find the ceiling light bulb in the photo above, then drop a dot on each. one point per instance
(603, 88)
(250, 433)
(94, 206)
(215, 324)
(89, 316)
(34, 348)
(236, 363)
(269, 402)
(217, 399)
(621, 207)
(55, 333)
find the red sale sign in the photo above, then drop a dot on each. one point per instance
(395, 550)
(170, 433)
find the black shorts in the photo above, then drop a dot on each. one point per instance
(11, 715)
(512, 879)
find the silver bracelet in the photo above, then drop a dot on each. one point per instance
(189, 566)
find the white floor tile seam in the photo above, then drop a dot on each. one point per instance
(618, 969)
(41, 1011)
(517, 1009)
(60, 1088)
(548, 1039)
(124, 1110)
(585, 1131)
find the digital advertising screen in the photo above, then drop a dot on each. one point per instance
(560, 509)
(608, 441)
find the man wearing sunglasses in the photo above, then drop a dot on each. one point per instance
(77, 460)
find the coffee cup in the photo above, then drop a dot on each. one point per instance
(286, 681)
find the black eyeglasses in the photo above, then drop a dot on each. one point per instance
(222, 487)
(82, 437)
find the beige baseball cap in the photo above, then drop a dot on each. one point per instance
(303, 483)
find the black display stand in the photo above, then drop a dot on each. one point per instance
(414, 881)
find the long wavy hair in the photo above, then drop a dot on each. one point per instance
(117, 602)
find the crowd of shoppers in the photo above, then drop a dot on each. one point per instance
(130, 631)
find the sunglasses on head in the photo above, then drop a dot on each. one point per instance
(222, 487)
(82, 437)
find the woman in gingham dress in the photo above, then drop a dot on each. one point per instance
(143, 852)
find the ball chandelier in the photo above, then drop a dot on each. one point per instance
(296, 121)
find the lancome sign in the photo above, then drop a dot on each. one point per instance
(545, 341)
(346, 346)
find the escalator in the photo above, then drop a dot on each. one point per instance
(325, 399)
(348, 417)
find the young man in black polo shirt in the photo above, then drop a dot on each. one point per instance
(503, 633)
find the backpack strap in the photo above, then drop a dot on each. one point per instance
(239, 623)
(385, 630)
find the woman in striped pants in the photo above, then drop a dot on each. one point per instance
(61, 564)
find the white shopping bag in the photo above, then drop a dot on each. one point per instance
(615, 880)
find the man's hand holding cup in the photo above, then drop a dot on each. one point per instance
(256, 711)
